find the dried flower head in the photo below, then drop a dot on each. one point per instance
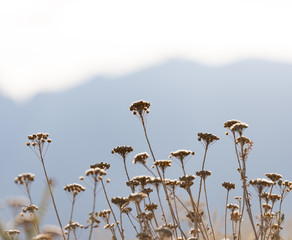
(181, 154)
(31, 208)
(140, 107)
(95, 172)
(73, 226)
(260, 184)
(74, 188)
(126, 210)
(120, 201)
(105, 214)
(38, 142)
(151, 207)
(137, 197)
(163, 164)
(147, 191)
(238, 128)
(141, 179)
(186, 181)
(203, 174)
(207, 138)
(230, 123)
(243, 140)
(12, 233)
(24, 179)
(228, 185)
(123, 151)
(154, 181)
(235, 216)
(102, 165)
(141, 158)
(273, 176)
(232, 207)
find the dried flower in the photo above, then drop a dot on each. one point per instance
(228, 185)
(12, 233)
(238, 127)
(43, 236)
(140, 107)
(203, 174)
(123, 151)
(260, 184)
(141, 158)
(230, 123)
(24, 178)
(163, 164)
(75, 188)
(181, 154)
(31, 208)
(273, 176)
(207, 138)
(137, 197)
(102, 165)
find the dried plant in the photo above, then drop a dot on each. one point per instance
(156, 207)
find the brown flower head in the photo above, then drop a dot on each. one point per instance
(102, 165)
(151, 207)
(74, 188)
(260, 184)
(39, 143)
(31, 208)
(12, 233)
(162, 164)
(230, 123)
(273, 176)
(207, 138)
(238, 128)
(186, 181)
(120, 201)
(123, 151)
(228, 185)
(24, 179)
(137, 197)
(141, 158)
(181, 154)
(140, 107)
(203, 174)
(43, 236)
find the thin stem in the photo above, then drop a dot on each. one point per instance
(71, 215)
(108, 202)
(207, 205)
(93, 208)
(226, 212)
(53, 200)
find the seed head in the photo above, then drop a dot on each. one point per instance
(238, 127)
(228, 185)
(230, 123)
(31, 208)
(207, 138)
(140, 107)
(74, 188)
(181, 154)
(141, 158)
(123, 151)
(101, 165)
(273, 176)
(203, 174)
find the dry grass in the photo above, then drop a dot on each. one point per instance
(156, 207)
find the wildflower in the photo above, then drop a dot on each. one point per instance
(238, 127)
(24, 178)
(260, 184)
(228, 185)
(38, 142)
(141, 158)
(73, 226)
(151, 207)
(105, 214)
(267, 206)
(230, 123)
(141, 179)
(147, 191)
(31, 208)
(94, 172)
(186, 181)
(141, 107)
(75, 188)
(123, 151)
(235, 216)
(273, 176)
(137, 197)
(120, 201)
(243, 140)
(181, 154)
(126, 210)
(207, 138)
(232, 207)
(274, 197)
(102, 165)
(203, 174)
(163, 164)
(154, 181)
(12, 233)
(132, 184)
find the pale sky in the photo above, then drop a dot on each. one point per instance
(49, 45)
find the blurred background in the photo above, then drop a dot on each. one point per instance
(72, 69)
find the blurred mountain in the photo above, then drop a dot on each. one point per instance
(87, 121)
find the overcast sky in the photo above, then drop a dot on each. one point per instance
(48, 45)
